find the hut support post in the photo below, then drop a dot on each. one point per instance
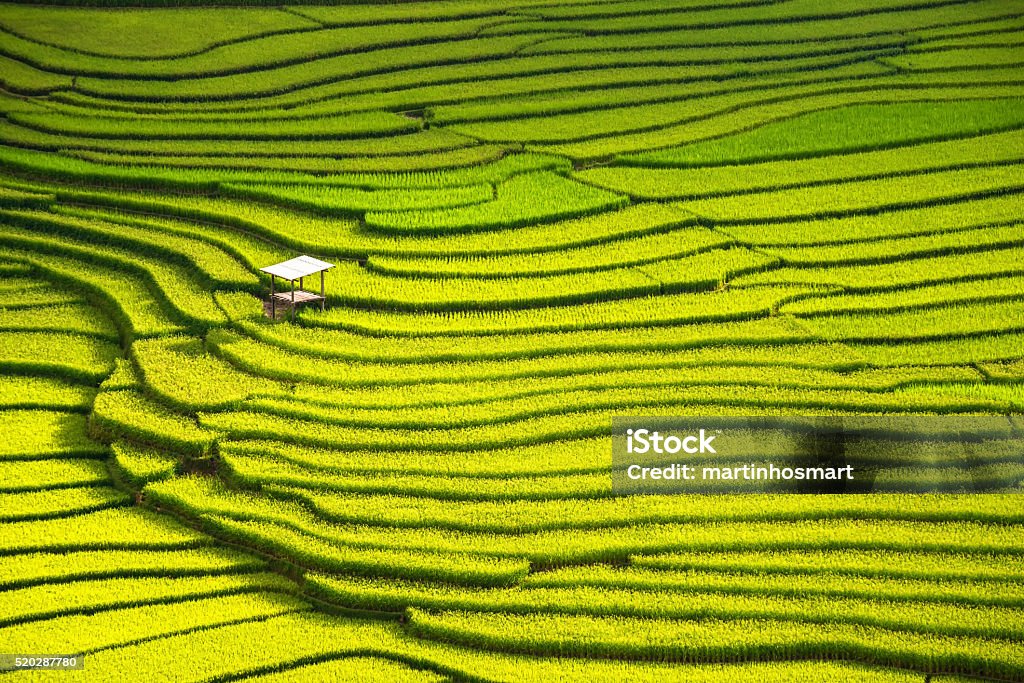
(273, 300)
(323, 299)
(293, 300)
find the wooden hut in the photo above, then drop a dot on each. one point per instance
(296, 270)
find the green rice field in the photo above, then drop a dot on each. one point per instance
(542, 214)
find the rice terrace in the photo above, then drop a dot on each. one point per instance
(531, 218)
